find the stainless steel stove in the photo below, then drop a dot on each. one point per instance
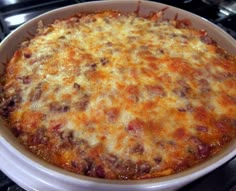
(13, 13)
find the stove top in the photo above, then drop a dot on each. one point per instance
(13, 13)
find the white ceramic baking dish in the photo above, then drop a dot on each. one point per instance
(32, 173)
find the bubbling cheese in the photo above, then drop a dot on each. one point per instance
(120, 96)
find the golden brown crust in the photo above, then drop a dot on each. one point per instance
(120, 96)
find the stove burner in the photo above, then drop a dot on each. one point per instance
(222, 13)
(15, 13)
(3, 29)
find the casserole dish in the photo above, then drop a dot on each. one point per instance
(41, 176)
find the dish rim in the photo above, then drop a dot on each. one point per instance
(196, 171)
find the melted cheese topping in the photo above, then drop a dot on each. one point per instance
(154, 93)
